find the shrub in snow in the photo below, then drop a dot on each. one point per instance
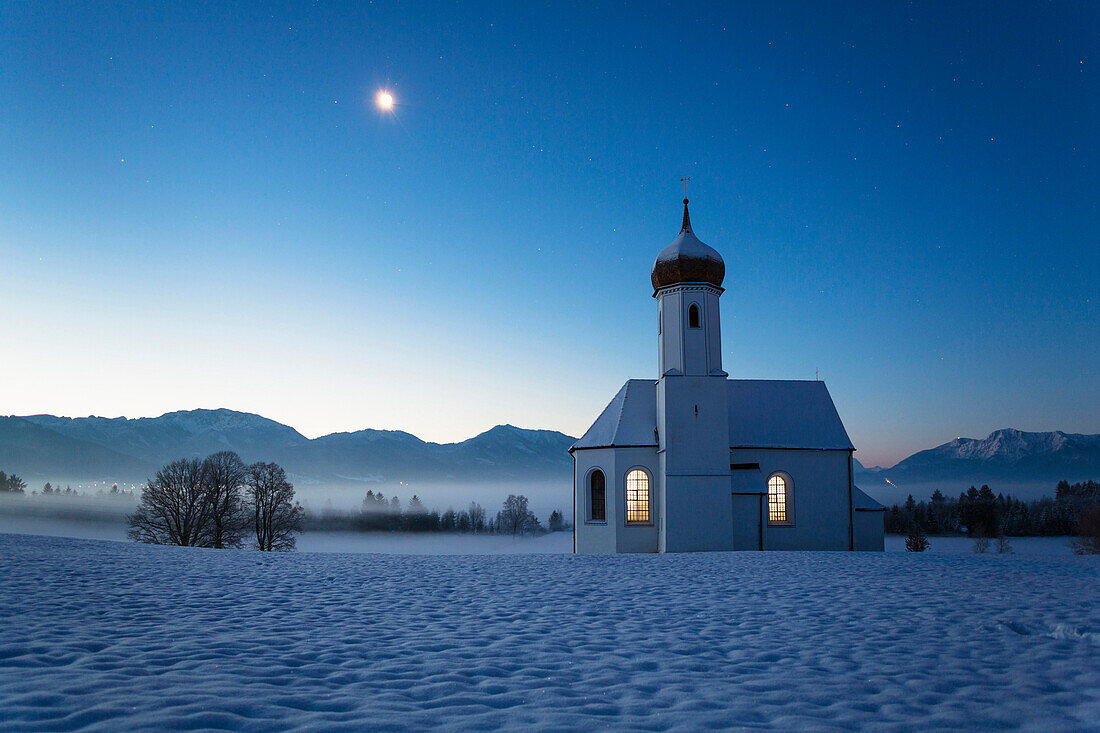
(1002, 544)
(916, 541)
(981, 543)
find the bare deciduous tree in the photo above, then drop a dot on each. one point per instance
(276, 517)
(175, 507)
(476, 513)
(515, 518)
(224, 476)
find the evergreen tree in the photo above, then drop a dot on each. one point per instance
(985, 512)
(396, 517)
(11, 484)
(895, 522)
(1088, 532)
(937, 512)
(415, 515)
(916, 541)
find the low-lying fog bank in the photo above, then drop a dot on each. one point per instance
(98, 518)
(104, 518)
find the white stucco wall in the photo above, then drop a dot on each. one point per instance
(819, 496)
(615, 535)
(680, 348)
(693, 426)
(702, 508)
(870, 530)
(748, 514)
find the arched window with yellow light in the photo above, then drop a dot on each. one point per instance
(780, 500)
(637, 497)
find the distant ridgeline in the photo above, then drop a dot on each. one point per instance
(84, 450)
(1027, 464)
(72, 450)
(980, 512)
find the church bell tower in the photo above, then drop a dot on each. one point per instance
(692, 403)
(687, 282)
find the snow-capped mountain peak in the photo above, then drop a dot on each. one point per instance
(1007, 444)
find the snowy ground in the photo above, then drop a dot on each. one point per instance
(965, 545)
(449, 544)
(118, 636)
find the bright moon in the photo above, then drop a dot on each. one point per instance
(384, 100)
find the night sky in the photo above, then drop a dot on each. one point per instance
(202, 206)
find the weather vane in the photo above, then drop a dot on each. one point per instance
(685, 182)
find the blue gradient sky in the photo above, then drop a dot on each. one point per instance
(200, 206)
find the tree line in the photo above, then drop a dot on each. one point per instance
(978, 512)
(114, 492)
(379, 514)
(11, 484)
(218, 502)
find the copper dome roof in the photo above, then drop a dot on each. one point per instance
(687, 260)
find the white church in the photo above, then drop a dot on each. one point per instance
(695, 461)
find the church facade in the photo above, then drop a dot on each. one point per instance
(695, 461)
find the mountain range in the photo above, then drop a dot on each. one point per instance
(339, 466)
(70, 450)
(1028, 464)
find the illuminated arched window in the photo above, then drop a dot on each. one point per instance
(597, 497)
(780, 504)
(693, 316)
(637, 497)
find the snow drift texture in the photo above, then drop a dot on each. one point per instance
(111, 636)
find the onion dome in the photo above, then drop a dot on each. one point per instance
(687, 260)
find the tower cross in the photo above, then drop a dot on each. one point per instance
(685, 182)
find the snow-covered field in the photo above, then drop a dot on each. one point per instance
(452, 544)
(965, 545)
(118, 636)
